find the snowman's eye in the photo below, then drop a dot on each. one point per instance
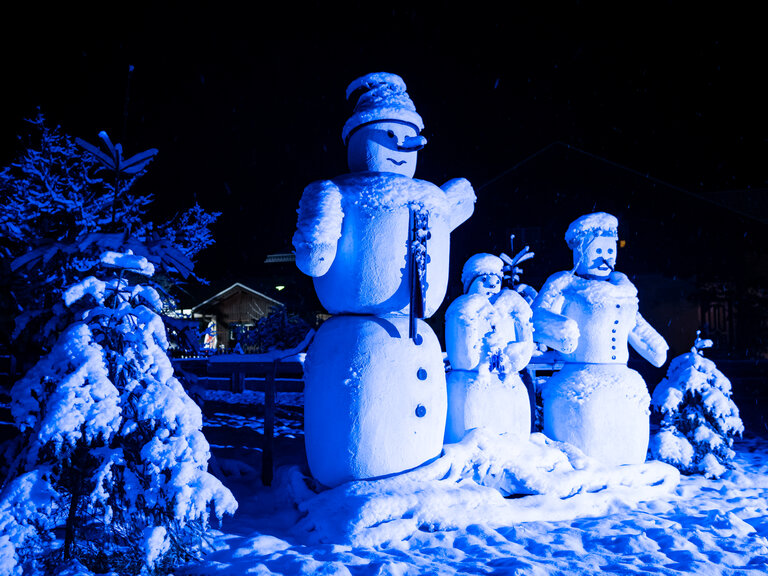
(599, 250)
(390, 133)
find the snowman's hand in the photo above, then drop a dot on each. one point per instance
(555, 330)
(461, 198)
(318, 228)
(648, 342)
(519, 354)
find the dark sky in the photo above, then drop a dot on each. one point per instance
(246, 107)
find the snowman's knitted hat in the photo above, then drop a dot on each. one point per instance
(591, 226)
(478, 265)
(384, 99)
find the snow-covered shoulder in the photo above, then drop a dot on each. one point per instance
(318, 228)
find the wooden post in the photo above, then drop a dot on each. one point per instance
(267, 455)
(528, 376)
(238, 379)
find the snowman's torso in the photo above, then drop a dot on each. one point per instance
(605, 312)
(484, 388)
(596, 402)
(375, 401)
(369, 274)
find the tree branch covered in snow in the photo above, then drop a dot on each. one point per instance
(61, 205)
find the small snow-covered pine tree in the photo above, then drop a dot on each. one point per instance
(698, 418)
(113, 451)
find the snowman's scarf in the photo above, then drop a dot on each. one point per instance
(467, 485)
(375, 191)
(599, 292)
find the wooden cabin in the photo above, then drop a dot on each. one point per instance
(234, 309)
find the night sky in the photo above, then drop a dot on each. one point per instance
(246, 106)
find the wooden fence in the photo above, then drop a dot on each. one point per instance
(237, 375)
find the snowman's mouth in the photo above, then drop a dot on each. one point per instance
(397, 162)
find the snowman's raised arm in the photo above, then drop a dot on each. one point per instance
(648, 343)
(461, 197)
(319, 227)
(550, 326)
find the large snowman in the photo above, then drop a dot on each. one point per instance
(376, 242)
(589, 315)
(488, 338)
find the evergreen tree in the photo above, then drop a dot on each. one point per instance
(698, 418)
(112, 448)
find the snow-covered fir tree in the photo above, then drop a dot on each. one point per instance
(111, 455)
(698, 418)
(62, 203)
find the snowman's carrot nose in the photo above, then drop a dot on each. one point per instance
(412, 143)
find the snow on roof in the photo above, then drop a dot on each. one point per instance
(236, 287)
(272, 258)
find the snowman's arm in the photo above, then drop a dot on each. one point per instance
(550, 326)
(519, 350)
(318, 228)
(461, 198)
(648, 343)
(464, 333)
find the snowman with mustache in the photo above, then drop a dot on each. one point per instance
(590, 315)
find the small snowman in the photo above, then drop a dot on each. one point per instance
(589, 315)
(376, 242)
(489, 338)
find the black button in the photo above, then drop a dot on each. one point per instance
(421, 411)
(613, 357)
(614, 330)
(615, 321)
(418, 340)
(421, 374)
(613, 347)
(618, 305)
(613, 339)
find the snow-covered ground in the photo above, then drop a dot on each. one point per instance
(439, 519)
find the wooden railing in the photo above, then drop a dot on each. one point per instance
(238, 375)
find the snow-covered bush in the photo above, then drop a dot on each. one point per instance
(279, 330)
(698, 418)
(62, 203)
(113, 451)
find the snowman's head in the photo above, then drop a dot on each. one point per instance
(388, 146)
(483, 274)
(382, 135)
(593, 239)
(597, 258)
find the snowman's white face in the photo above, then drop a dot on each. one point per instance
(376, 148)
(486, 285)
(597, 259)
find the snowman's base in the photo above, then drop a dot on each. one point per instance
(374, 401)
(475, 400)
(600, 408)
